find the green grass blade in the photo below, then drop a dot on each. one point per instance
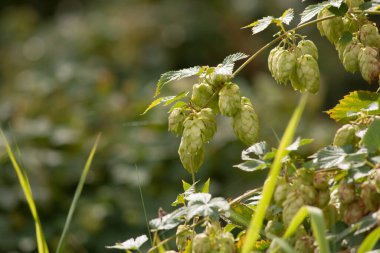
(256, 223)
(317, 225)
(24, 182)
(77, 194)
(284, 245)
(370, 241)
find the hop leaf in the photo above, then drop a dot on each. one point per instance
(260, 25)
(201, 204)
(130, 244)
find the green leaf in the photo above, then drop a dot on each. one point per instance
(283, 244)
(345, 38)
(311, 11)
(339, 11)
(206, 186)
(186, 186)
(251, 165)
(201, 204)
(176, 98)
(330, 157)
(370, 5)
(227, 66)
(370, 241)
(260, 25)
(169, 221)
(157, 102)
(240, 214)
(231, 59)
(257, 219)
(355, 104)
(174, 76)
(287, 16)
(259, 149)
(298, 143)
(371, 138)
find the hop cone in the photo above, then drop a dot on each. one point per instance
(308, 194)
(202, 93)
(320, 181)
(340, 47)
(308, 73)
(270, 59)
(286, 64)
(368, 63)
(245, 123)
(350, 57)
(323, 198)
(191, 161)
(183, 235)
(291, 206)
(354, 212)
(346, 193)
(176, 119)
(226, 243)
(207, 116)
(331, 28)
(276, 56)
(229, 99)
(192, 134)
(369, 35)
(281, 192)
(351, 25)
(220, 76)
(308, 47)
(369, 195)
(296, 83)
(201, 244)
(345, 136)
(354, 3)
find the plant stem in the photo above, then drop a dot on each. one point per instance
(245, 195)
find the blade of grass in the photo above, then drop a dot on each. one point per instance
(317, 225)
(284, 245)
(370, 241)
(77, 194)
(256, 223)
(24, 182)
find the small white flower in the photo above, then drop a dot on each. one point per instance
(130, 244)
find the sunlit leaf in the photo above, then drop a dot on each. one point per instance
(252, 165)
(174, 76)
(260, 25)
(287, 16)
(176, 98)
(234, 57)
(240, 214)
(371, 138)
(206, 186)
(201, 204)
(370, 241)
(298, 143)
(330, 157)
(355, 104)
(169, 221)
(259, 149)
(158, 101)
(130, 244)
(311, 11)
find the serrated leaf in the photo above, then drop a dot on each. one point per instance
(339, 11)
(353, 104)
(335, 3)
(158, 101)
(169, 221)
(234, 58)
(298, 143)
(174, 76)
(287, 16)
(176, 98)
(260, 25)
(371, 138)
(331, 156)
(259, 149)
(311, 11)
(251, 165)
(130, 244)
(201, 204)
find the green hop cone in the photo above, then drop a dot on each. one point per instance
(226, 243)
(351, 25)
(308, 47)
(203, 94)
(292, 205)
(369, 195)
(369, 35)
(220, 75)
(323, 198)
(201, 244)
(207, 116)
(308, 73)
(369, 63)
(308, 193)
(191, 161)
(194, 128)
(353, 212)
(176, 119)
(345, 136)
(320, 181)
(305, 244)
(331, 28)
(286, 65)
(340, 47)
(354, 3)
(183, 235)
(270, 59)
(281, 192)
(350, 57)
(346, 193)
(229, 99)
(276, 57)
(245, 123)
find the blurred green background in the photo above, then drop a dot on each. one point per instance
(70, 69)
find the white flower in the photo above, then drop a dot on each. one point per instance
(130, 244)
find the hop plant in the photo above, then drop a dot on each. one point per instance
(229, 99)
(292, 204)
(346, 193)
(183, 235)
(305, 244)
(346, 135)
(274, 227)
(206, 115)
(330, 215)
(320, 181)
(191, 161)
(226, 243)
(370, 197)
(369, 63)
(350, 57)
(176, 119)
(281, 192)
(323, 198)
(308, 193)
(308, 73)
(286, 64)
(369, 35)
(353, 212)
(308, 47)
(201, 244)
(193, 133)
(331, 28)
(274, 61)
(245, 123)
(203, 94)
